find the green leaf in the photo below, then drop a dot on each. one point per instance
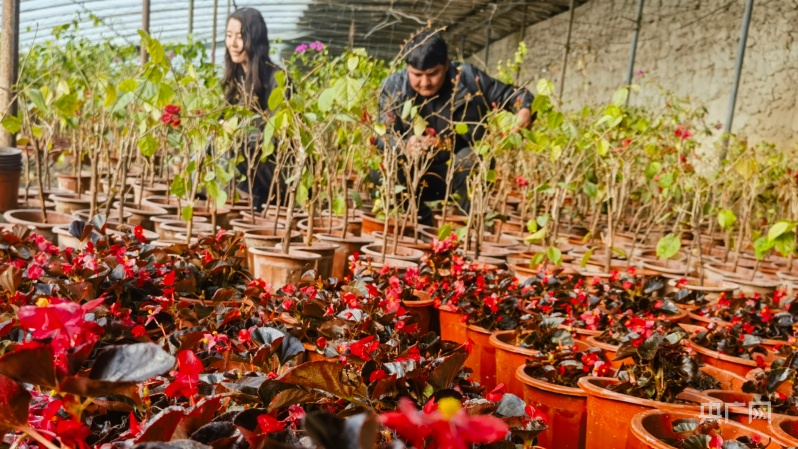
(110, 95)
(543, 220)
(148, 145)
(726, 219)
(165, 95)
(339, 205)
(603, 148)
(37, 132)
(12, 124)
(188, 212)
(620, 96)
(779, 228)
(380, 129)
(746, 168)
(38, 99)
(696, 442)
(590, 189)
(586, 258)
(554, 255)
(445, 231)
(535, 261)
(761, 246)
(178, 186)
(128, 85)
(461, 128)
(684, 425)
(406, 109)
(302, 194)
(668, 246)
(545, 87)
(355, 196)
(653, 169)
(490, 176)
(276, 98)
(536, 237)
(532, 225)
(67, 105)
(785, 244)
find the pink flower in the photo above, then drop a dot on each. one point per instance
(301, 48)
(318, 46)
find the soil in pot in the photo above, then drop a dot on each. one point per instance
(649, 428)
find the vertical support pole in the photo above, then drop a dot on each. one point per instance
(145, 25)
(633, 52)
(738, 70)
(9, 65)
(567, 50)
(462, 46)
(228, 7)
(190, 17)
(487, 45)
(213, 31)
(523, 23)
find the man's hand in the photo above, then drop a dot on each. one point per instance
(416, 145)
(524, 119)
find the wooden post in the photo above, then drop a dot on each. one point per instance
(487, 45)
(9, 65)
(213, 31)
(145, 25)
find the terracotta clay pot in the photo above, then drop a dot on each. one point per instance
(346, 247)
(452, 327)
(326, 252)
(482, 359)
(609, 414)
(271, 265)
(740, 413)
(72, 183)
(650, 427)
(32, 218)
(141, 215)
(785, 428)
(565, 409)
(510, 357)
(402, 253)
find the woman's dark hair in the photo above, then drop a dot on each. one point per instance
(426, 50)
(258, 79)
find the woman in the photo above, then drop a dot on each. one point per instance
(249, 80)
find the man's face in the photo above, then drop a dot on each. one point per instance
(427, 82)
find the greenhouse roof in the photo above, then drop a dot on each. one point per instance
(378, 25)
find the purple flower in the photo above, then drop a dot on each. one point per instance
(639, 73)
(318, 46)
(301, 48)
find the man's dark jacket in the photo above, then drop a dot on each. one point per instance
(474, 94)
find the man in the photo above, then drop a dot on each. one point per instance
(434, 84)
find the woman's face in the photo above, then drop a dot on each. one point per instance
(235, 42)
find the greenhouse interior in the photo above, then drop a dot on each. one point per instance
(389, 224)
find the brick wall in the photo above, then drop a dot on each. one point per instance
(686, 46)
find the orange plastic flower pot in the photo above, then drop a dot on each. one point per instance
(785, 428)
(510, 357)
(648, 428)
(482, 359)
(452, 327)
(740, 413)
(609, 414)
(565, 409)
(735, 365)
